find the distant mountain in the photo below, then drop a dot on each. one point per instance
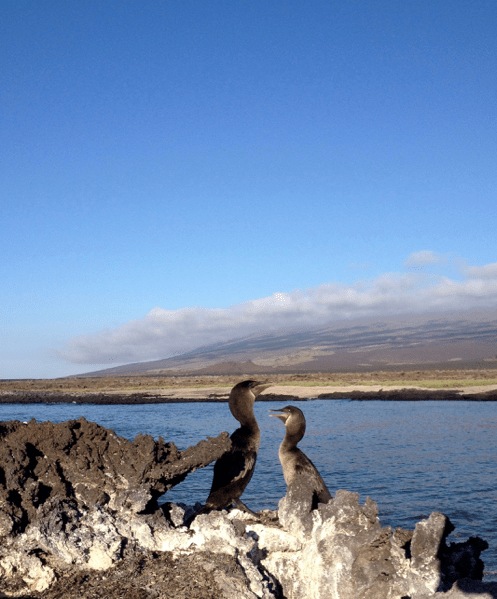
(466, 339)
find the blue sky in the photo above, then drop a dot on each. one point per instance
(175, 172)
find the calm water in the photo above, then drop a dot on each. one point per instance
(412, 458)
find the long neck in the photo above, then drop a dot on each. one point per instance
(291, 439)
(249, 423)
(242, 409)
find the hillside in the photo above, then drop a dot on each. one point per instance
(463, 339)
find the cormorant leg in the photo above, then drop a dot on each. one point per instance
(241, 506)
(202, 510)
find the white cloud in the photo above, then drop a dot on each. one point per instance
(162, 333)
(424, 257)
(489, 271)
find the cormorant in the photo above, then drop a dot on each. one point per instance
(296, 465)
(234, 469)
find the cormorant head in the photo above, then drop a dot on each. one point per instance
(293, 419)
(250, 386)
(242, 398)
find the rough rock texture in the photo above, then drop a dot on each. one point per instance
(82, 461)
(344, 553)
(79, 518)
(75, 493)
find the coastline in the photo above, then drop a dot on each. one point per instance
(281, 393)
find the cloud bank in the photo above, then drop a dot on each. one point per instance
(163, 333)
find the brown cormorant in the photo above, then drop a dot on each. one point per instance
(234, 469)
(296, 465)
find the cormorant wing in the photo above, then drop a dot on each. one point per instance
(306, 468)
(233, 470)
(232, 467)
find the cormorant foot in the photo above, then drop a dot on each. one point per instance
(241, 506)
(202, 510)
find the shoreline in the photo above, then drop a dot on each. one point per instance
(277, 393)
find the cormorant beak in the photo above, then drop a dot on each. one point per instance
(283, 416)
(258, 389)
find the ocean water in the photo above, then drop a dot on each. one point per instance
(412, 458)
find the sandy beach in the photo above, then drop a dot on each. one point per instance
(420, 385)
(304, 392)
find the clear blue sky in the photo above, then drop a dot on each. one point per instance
(202, 155)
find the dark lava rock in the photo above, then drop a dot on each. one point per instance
(83, 461)
(394, 395)
(102, 399)
(279, 397)
(408, 394)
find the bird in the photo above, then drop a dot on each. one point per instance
(234, 469)
(296, 465)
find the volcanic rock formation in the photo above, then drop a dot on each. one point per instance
(79, 518)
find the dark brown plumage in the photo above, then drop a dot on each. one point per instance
(233, 470)
(294, 461)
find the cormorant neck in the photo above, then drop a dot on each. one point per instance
(242, 409)
(291, 439)
(252, 427)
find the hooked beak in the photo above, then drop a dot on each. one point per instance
(260, 388)
(283, 416)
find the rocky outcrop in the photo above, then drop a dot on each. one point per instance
(79, 518)
(344, 553)
(85, 464)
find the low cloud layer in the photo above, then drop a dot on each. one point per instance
(164, 333)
